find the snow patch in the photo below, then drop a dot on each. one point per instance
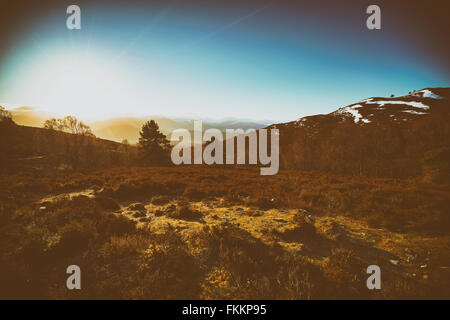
(414, 112)
(414, 104)
(425, 93)
(301, 122)
(352, 110)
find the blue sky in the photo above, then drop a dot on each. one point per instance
(256, 61)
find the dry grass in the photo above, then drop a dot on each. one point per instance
(212, 234)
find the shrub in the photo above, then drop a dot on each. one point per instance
(184, 211)
(194, 194)
(107, 203)
(160, 200)
(346, 271)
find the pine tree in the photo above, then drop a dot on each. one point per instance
(153, 144)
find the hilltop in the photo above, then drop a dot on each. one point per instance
(377, 136)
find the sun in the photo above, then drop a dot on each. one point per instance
(85, 86)
(82, 85)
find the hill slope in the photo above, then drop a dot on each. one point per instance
(377, 136)
(39, 148)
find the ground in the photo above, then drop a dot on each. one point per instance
(260, 239)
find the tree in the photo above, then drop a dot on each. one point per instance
(55, 124)
(4, 114)
(79, 149)
(153, 144)
(7, 145)
(69, 124)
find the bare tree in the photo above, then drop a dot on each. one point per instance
(4, 114)
(69, 124)
(55, 124)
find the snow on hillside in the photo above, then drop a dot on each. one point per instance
(353, 112)
(375, 109)
(425, 93)
(409, 103)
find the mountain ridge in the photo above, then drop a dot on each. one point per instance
(378, 136)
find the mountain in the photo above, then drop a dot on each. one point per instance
(127, 128)
(29, 116)
(377, 136)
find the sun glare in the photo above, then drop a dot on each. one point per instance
(77, 84)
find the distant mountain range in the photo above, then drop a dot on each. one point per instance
(119, 129)
(128, 128)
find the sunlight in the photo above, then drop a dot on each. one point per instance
(81, 85)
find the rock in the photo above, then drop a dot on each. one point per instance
(243, 197)
(144, 219)
(136, 206)
(45, 203)
(394, 262)
(309, 219)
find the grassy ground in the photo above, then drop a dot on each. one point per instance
(170, 233)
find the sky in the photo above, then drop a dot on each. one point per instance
(257, 60)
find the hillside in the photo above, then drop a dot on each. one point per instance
(377, 136)
(39, 148)
(227, 232)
